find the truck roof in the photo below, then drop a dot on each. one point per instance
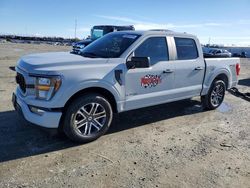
(160, 32)
(113, 26)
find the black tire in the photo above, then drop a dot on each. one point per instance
(208, 101)
(76, 113)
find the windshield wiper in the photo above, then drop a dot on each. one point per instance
(90, 54)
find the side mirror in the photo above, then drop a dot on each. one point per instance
(138, 62)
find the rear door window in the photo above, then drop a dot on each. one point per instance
(186, 48)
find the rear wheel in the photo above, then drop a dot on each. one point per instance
(87, 118)
(215, 95)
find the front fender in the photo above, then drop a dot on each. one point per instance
(116, 89)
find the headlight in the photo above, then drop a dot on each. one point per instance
(81, 46)
(47, 87)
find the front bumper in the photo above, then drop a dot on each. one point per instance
(47, 119)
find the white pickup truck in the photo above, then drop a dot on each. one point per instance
(119, 72)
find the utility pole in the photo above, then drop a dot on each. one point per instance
(75, 28)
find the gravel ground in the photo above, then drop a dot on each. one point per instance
(171, 145)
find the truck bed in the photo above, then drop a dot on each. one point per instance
(217, 66)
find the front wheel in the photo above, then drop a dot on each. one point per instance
(215, 95)
(87, 118)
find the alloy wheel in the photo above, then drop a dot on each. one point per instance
(217, 95)
(89, 119)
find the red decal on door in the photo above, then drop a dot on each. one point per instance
(150, 80)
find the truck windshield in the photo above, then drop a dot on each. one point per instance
(96, 33)
(110, 46)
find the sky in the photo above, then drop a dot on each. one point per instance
(218, 21)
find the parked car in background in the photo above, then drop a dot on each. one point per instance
(242, 55)
(215, 52)
(97, 32)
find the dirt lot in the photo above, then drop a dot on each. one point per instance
(170, 145)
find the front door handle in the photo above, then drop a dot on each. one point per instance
(198, 68)
(168, 71)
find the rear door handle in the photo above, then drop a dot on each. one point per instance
(168, 71)
(198, 68)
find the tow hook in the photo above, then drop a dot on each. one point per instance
(13, 68)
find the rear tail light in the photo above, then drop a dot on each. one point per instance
(237, 69)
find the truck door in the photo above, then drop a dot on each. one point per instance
(152, 85)
(189, 68)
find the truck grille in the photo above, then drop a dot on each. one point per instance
(21, 81)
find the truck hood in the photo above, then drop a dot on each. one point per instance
(86, 42)
(55, 61)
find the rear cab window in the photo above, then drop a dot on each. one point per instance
(186, 48)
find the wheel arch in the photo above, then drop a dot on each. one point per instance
(98, 90)
(224, 78)
(94, 89)
(223, 74)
